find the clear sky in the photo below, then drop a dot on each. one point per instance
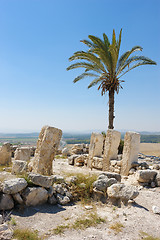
(36, 39)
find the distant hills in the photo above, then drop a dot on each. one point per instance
(150, 137)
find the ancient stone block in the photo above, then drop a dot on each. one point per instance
(22, 153)
(5, 154)
(47, 145)
(6, 202)
(130, 151)
(95, 147)
(111, 147)
(13, 186)
(35, 196)
(19, 167)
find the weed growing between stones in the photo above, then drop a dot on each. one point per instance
(60, 229)
(82, 188)
(117, 227)
(25, 234)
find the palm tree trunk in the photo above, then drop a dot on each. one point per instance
(111, 108)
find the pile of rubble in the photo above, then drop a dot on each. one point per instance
(79, 155)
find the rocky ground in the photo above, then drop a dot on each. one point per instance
(126, 223)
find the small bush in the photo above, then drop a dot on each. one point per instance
(83, 188)
(25, 234)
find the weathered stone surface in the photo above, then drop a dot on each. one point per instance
(63, 200)
(6, 202)
(51, 191)
(17, 198)
(79, 161)
(13, 186)
(57, 179)
(80, 149)
(19, 167)
(22, 153)
(156, 209)
(5, 154)
(111, 147)
(130, 151)
(95, 147)
(40, 180)
(97, 163)
(146, 176)
(35, 196)
(1, 219)
(158, 180)
(52, 200)
(65, 152)
(71, 159)
(110, 175)
(122, 192)
(104, 183)
(59, 189)
(47, 145)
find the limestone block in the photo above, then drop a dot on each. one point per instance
(22, 153)
(17, 198)
(130, 151)
(146, 176)
(19, 167)
(40, 180)
(6, 202)
(35, 196)
(47, 145)
(111, 147)
(95, 147)
(121, 191)
(5, 154)
(97, 162)
(13, 186)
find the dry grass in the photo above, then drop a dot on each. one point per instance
(150, 149)
(117, 227)
(146, 236)
(82, 222)
(25, 234)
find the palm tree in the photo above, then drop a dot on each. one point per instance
(102, 62)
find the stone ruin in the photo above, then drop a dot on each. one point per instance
(47, 145)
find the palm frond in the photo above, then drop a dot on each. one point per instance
(83, 75)
(89, 57)
(134, 59)
(85, 65)
(125, 56)
(94, 82)
(137, 65)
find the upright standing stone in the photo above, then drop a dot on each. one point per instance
(95, 147)
(22, 153)
(111, 147)
(47, 145)
(130, 151)
(5, 154)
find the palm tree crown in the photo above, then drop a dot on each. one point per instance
(102, 62)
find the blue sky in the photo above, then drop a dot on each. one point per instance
(37, 38)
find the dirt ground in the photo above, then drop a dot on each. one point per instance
(137, 217)
(150, 149)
